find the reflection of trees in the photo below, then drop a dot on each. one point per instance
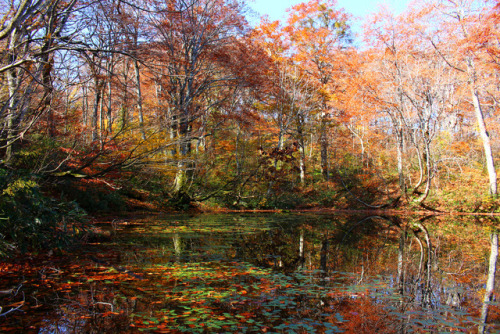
(277, 248)
(316, 277)
(365, 241)
(336, 245)
(313, 244)
(401, 256)
(490, 283)
(424, 268)
(329, 264)
(324, 255)
(407, 251)
(176, 240)
(414, 281)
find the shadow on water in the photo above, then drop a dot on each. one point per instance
(280, 273)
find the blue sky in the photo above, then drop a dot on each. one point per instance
(276, 9)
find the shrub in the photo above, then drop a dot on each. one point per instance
(28, 219)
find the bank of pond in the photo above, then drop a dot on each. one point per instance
(261, 273)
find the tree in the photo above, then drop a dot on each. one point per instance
(292, 100)
(320, 33)
(192, 43)
(31, 33)
(420, 88)
(453, 40)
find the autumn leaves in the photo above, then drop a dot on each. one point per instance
(182, 94)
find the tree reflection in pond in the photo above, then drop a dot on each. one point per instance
(490, 284)
(276, 273)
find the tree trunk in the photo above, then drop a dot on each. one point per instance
(428, 167)
(184, 167)
(324, 150)
(485, 137)
(302, 163)
(101, 116)
(139, 98)
(402, 184)
(109, 128)
(95, 113)
(12, 82)
(302, 149)
(109, 111)
(277, 162)
(48, 61)
(180, 178)
(420, 165)
(125, 117)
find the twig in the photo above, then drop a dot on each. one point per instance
(12, 309)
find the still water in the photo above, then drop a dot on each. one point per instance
(262, 273)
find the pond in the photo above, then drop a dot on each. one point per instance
(260, 273)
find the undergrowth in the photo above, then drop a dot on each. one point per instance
(30, 220)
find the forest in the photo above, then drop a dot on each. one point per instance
(182, 166)
(116, 106)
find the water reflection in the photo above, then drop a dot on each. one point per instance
(435, 275)
(274, 273)
(490, 283)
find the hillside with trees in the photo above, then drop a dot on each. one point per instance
(112, 106)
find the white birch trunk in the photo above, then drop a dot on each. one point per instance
(485, 137)
(490, 164)
(139, 98)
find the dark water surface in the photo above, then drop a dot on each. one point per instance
(261, 273)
